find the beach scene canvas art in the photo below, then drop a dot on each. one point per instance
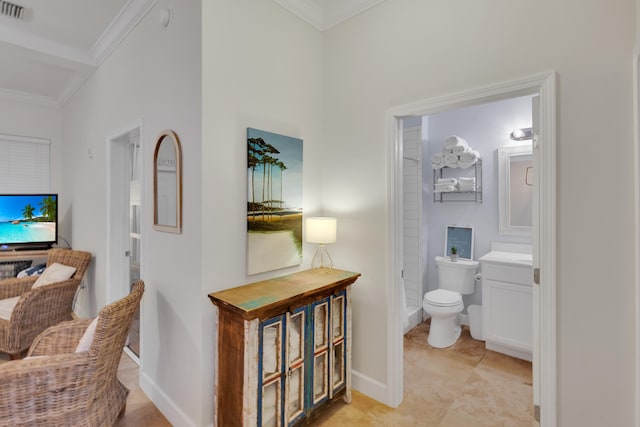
(27, 219)
(274, 202)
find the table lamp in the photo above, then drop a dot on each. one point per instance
(321, 230)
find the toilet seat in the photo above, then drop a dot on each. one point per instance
(442, 298)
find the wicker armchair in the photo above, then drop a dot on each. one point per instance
(65, 388)
(39, 308)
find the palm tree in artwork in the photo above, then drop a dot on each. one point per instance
(255, 152)
(282, 169)
(48, 208)
(28, 211)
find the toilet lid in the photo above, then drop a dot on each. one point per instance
(443, 298)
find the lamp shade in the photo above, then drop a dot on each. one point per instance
(321, 229)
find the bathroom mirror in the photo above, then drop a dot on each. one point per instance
(167, 183)
(515, 190)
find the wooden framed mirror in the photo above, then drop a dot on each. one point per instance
(167, 183)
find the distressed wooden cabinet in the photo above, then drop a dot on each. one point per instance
(284, 348)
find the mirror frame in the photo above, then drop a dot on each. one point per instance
(171, 135)
(505, 228)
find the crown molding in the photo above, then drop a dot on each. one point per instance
(130, 15)
(324, 19)
(347, 10)
(308, 10)
(29, 98)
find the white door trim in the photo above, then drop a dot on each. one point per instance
(545, 85)
(111, 139)
(636, 157)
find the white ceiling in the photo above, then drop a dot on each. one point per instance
(48, 54)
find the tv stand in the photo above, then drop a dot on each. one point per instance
(26, 253)
(31, 248)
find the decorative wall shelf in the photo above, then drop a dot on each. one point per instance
(458, 196)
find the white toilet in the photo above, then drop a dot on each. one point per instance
(455, 278)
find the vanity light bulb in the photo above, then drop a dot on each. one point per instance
(517, 133)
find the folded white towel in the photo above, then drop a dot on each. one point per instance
(444, 189)
(453, 141)
(451, 160)
(467, 180)
(469, 156)
(466, 187)
(447, 181)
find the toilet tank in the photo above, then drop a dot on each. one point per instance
(458, 276)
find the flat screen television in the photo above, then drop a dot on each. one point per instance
(28, 221)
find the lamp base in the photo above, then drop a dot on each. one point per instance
(322, 260)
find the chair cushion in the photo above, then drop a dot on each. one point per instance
(87, 338)
(54, 273)
(6, 307)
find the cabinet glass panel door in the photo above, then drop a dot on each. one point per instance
(338, 331)
(320, 391)
(271, 368)
(295, 358)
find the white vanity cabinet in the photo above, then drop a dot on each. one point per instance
(507, 303)
(283, 348)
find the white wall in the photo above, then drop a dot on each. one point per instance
(406, 50)
(486, 128)
(262, 68)
(155, 76)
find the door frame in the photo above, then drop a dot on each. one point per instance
(544, 85)
(636, 161)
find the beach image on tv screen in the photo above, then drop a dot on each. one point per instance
(27, 219)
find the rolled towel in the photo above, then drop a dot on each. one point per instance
(464, 165)
(437, 158)
(462, 147)
(444, 189)
(447, 181)
(469, 156)
(453, 141)
(437, 165)
(446, 151)
(451, 160)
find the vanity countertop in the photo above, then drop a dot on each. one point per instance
(508, 258)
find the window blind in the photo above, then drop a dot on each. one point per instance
(24, 164)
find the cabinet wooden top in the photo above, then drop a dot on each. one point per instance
(267, 297)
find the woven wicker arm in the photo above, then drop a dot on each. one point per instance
(49, 391)
(36, 310)
(59, 339)
(14, 287)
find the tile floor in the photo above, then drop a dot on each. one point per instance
(459, 386)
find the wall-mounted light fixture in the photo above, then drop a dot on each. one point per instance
(522, 134)
(321, 230)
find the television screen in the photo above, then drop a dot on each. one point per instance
(28, 220)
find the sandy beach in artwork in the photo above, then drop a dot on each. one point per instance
(51, 226)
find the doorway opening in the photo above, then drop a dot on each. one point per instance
(124, 224)
(543, 236)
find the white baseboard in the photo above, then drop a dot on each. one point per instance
(372, 388)
(164, 404)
